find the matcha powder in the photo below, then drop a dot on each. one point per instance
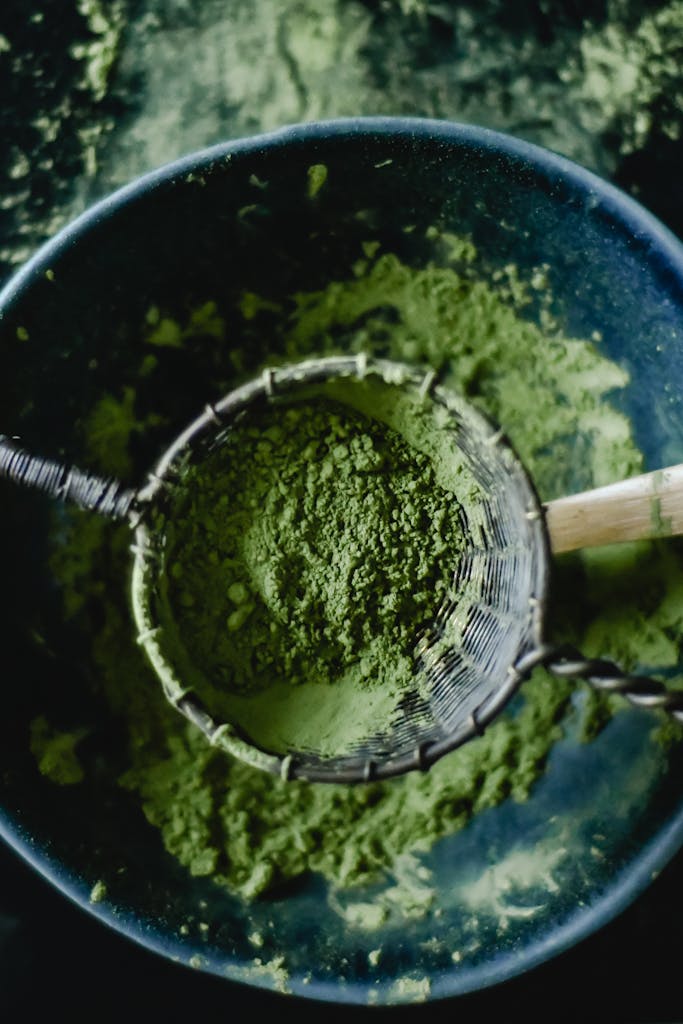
(311, 548)
(247, 830)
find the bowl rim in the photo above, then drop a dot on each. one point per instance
(664, 252)
(662, 244)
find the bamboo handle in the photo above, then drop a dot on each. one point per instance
(641, 508)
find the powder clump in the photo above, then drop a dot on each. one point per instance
(55, 752)
(313, 546)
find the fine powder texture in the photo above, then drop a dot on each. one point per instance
(252, 832)
(314, 545)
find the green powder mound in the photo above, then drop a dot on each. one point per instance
(312, 548)
(251, 832)
(322, 542)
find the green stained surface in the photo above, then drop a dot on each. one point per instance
(104, 90)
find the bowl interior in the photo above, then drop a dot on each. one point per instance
(272, 218)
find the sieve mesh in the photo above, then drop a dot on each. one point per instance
(465, 662)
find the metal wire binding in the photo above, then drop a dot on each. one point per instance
(567, 662)
(104, 495)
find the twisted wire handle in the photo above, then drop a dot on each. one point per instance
(567, 662)
(104, 495)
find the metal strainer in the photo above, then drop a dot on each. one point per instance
(486, 636)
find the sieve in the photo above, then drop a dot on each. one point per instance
(487, 633)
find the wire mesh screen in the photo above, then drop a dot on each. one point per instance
(464, 663)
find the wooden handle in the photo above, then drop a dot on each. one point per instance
(641, 508)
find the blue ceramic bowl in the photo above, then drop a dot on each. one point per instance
(206, 227)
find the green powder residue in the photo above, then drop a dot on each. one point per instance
(660, 525)
(626, 75)
(252, 832)
(272, 971)
(98, 892)
(110, 427)
(55, 752)
(168, 333)
(410, 990)
(56, 69)
(98, 92)
(310, 550)
(105, 22)
(317, 176)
